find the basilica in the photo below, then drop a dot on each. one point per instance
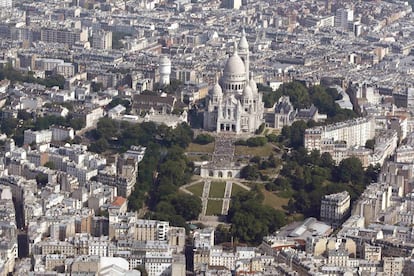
(234, 104)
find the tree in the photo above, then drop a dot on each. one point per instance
(50, 165)
(250, 219)
(350, 170)
(302, 201)
(369, 144)
(47, 121)
(187, 206)
(204, 139)
(327, 161)
(298, 94)
(297, 131)
(53, 80)
(250, 172)
(77, 123)
(291, 206)
(371, 173)
(106, 128)
(99, 146)
(256, 141)
(9, 126)
(24, 115)
(222, 234)
(41, 179)
(324, 100)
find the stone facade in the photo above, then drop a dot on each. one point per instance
(235, 104)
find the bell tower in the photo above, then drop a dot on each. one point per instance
(243, 50)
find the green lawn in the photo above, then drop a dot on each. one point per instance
(266, 150)
(214, 207)
(193, 147)
(217, 189)
(235, 189)
(196, 189)
(274, 201)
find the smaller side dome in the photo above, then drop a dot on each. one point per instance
(217, 91)
(247, 92)
(243, 44)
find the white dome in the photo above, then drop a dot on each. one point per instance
(247, 92)
(234, 66)
(243, 44)
(217, 91)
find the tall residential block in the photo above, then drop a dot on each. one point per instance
(335, 208)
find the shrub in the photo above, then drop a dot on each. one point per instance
(256, 141)
(204, 139)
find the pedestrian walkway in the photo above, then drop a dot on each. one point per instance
(227, 198)
(204, 197)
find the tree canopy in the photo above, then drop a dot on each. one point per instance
(204, 139)
(310, 176)
(16, 76)
(302, 97)
(251, 220)
(162, 171)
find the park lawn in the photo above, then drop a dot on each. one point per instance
(217, 189)
(193, 147)
(274, 201)
(235, 189)
(196, 189)
(263, 151)
(214, 207)
(199, 158)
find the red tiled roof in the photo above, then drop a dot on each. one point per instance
(119, 201)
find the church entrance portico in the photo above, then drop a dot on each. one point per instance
(227, 127)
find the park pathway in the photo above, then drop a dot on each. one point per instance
(227, 197)
(204, 197)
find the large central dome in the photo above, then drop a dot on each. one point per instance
(234, 66)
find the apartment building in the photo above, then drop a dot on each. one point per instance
(6, 4)
(102, 40)
(353, 132)
(335, 208)
(60, 133)
(37, 137)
